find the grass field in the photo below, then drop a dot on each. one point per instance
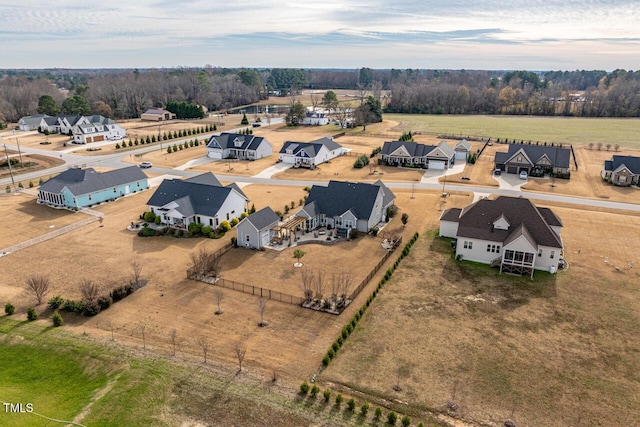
(556, 351)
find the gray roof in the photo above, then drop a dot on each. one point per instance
(415, 149)
(311, 148)
(339, 197)
(71, 119)
(158, 111)
(97, 118)
(84, 181)
(631, 162)
(263, 218)
(205, 178)
(227, 140)
(34, 119)
(463, 145)
(197, 195)
(388, 197)
(476, 221)
(559, 157)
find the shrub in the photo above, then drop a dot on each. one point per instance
(314, 391)
(339, 400)
(364, 409)
(406, 421)
(117, 146)
(55, 302)
(91, 308)
(105, 302)
(326, 395)
(9, 309)
(225, 226)
(335, 346)
(158, 220)
(207, 231)
(378, 413)
(421, 424)
(234, 222)
(149, 216)
(340, 341)
(304, 388)
(331, 353)
(351, 404)
(31, 314)
(325, 361)
(392, 417)
(57, 319)
(195, 228)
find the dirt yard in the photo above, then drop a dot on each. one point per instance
(556, 351)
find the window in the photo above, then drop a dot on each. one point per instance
(211, 221)
(114, 189)
(227, 216)
(89, 196)
(539, 252)
(552, 254)
(468, 245)
(217, 222)
(489, 248)
(497, 249)
(247, 238)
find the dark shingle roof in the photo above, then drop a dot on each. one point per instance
(413, 148)
(205, 178)
(339, 197)
(559, 157)
(202, 198)
(263, 218)
(452, 215)
(631, 162)
(476, 221)
(226, 140)
(388, 197)
(84, 181)
(311, 148)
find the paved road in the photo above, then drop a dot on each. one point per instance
(115, 161)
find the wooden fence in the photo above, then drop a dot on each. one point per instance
(373, 271)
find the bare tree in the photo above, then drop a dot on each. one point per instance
(136, 272)
(173, 336)
(111, 328)
(39, 286)
(240, 353)
(315, 100)
(204, 345)
(262, 306)
(340, 284)
(218, 295)
(90, 290)
(343, 113)
(319, 285)
(143, 328)
(307, 284)
(402, 372)
(203, 264)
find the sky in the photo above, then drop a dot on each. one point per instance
(451, 34)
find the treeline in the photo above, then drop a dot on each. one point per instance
(127, 93)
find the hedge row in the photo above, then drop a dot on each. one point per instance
(167, 136)
(351, 325)
(91, 308)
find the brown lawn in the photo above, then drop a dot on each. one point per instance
(559, 350)
(33, 162)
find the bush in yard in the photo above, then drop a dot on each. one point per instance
(9, 309)
(207, 231)
(195, 228)
(158, 220)
(339, 400)
(91, 308)
(244, 120)
(234, 222)
(326, 395)
(55, 302)
(304, 388)
(364, 409)
(406, 421)
(314, 391)
(392, 417)
(105, 302)
(325, 361)
(57, 319)
(335, 346)
(378, 413)
(149, 216)
(421, 424)
(225, 226)
(31, 314)
(351, 404)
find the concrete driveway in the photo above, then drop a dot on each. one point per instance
(509, 181)
(431, 176)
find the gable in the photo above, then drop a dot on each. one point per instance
(520, 157)
(521, 243)
(400, 152)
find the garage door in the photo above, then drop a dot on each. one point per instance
(214, 155)
(461, 155)
(439, 165)
(512, 169)
(98, 138)
(264, 238)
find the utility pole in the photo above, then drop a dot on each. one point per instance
(9, 163)
(19, 152)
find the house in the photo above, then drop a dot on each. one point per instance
(200, 199)
(510, 232)
(157, 115)
(236, 146)
(310, 154)
(66, 123)
(96, 128)
(536, 160)
(77, 188)
(406, 153)
(48, 124)
(254, 231)
(31, 122)
(315, 118)
(346, 205)
(622, 170)
(462, 150)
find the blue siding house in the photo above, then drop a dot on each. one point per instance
(78, 188)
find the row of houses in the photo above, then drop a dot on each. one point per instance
(84, 129)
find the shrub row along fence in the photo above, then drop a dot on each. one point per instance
(351, 325)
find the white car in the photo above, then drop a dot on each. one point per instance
(524, 175)
(145, 165)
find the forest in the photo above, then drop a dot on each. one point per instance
(126, 93)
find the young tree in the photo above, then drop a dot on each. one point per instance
(244, 120)
(298, 254)
(262, 306)
(204, 345)
(89, 291)
(218, 295)
(330, 101)
(296, 114)
(136, 272)
(404, 219)
(39, 286)
(307, 284)
(240, 353)
(173, 336)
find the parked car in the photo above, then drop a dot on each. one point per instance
(256, 125)
(145, 165)
(524, 175)
(465, 178)
(497, 172)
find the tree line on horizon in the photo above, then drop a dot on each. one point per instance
(127, 93)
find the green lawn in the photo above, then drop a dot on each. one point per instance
(579, 131)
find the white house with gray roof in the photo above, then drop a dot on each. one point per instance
(310, 154)
(236, 146)
(409, 153)
(77, 188)
(347, 205)
(255, 231)
(200, 199)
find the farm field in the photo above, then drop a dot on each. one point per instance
(559, 350)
